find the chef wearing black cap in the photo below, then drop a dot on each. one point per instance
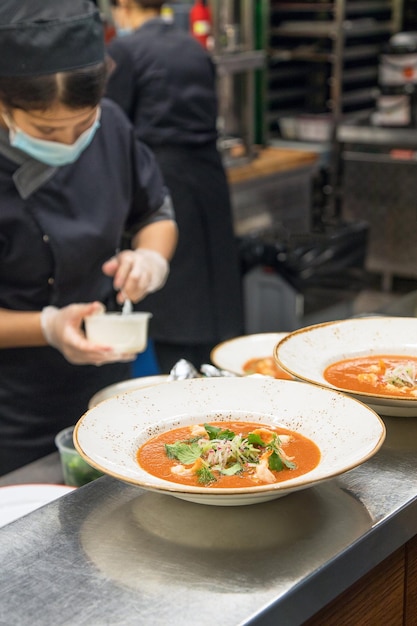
(74, 183)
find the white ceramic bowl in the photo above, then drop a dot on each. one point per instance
(346, 431)
(232, 355)
(305, 353)
(126, 385)
(124, 333)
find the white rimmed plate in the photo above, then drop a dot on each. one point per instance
(126, 385)
(305, 353)
(19, 500)
(346, 431)
(232, 355)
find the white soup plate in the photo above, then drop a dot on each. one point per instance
(232, 355)
(346, 431)
(126, 385)
(305, 353)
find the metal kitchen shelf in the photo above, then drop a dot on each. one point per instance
(366, 134)
(237, 62)
(350, 28)
(310, 52)
(340, 40)
(366, 6)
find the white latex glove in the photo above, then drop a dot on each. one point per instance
(62, 329)
(137, 273)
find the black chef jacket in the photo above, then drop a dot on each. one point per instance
(165, 82)
(57, 227)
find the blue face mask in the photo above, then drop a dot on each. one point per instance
(52, 152)
(123, 31)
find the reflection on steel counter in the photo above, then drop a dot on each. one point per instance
(286, 276)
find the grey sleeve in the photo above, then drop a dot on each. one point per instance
(164, 212)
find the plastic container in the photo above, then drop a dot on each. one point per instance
(398, 65)
(124, 333)
(306, 126)
(288, 126)
(394, 108)
(314, 127)
(76, 471)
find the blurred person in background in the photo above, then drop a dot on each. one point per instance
(74, 180)
(164, 80)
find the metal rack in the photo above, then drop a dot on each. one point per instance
(237, 61)
(323, 57)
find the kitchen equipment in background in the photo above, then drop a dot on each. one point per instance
(230, 38)
(237, 61)
(293, 280)
(379, 185)
(306, 126)
(397, 76)
(398, 63)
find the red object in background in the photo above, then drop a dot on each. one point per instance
(109, 33)
(200, 22)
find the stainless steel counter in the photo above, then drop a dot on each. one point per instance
(110, 553)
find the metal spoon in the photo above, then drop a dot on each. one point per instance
(127, 307)
(183, 370)
(210, 371)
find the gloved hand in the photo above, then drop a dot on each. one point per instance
(137, 273)
(62, 329)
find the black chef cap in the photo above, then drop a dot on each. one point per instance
(49, 36)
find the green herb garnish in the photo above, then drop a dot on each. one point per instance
(232, 470)
(205, 476)
(184, 452)
(217, 433)
(223, 452)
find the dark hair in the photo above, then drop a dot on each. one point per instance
(145, 4)
(150, 4)
(75, 89)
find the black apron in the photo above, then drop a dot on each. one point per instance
(201, 301)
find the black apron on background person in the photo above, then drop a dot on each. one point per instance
(200, 300)
(165, 82)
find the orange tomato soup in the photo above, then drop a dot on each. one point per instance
(152, 455)
(265, 366)
(389, 375)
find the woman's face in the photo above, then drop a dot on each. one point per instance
(58, 123)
